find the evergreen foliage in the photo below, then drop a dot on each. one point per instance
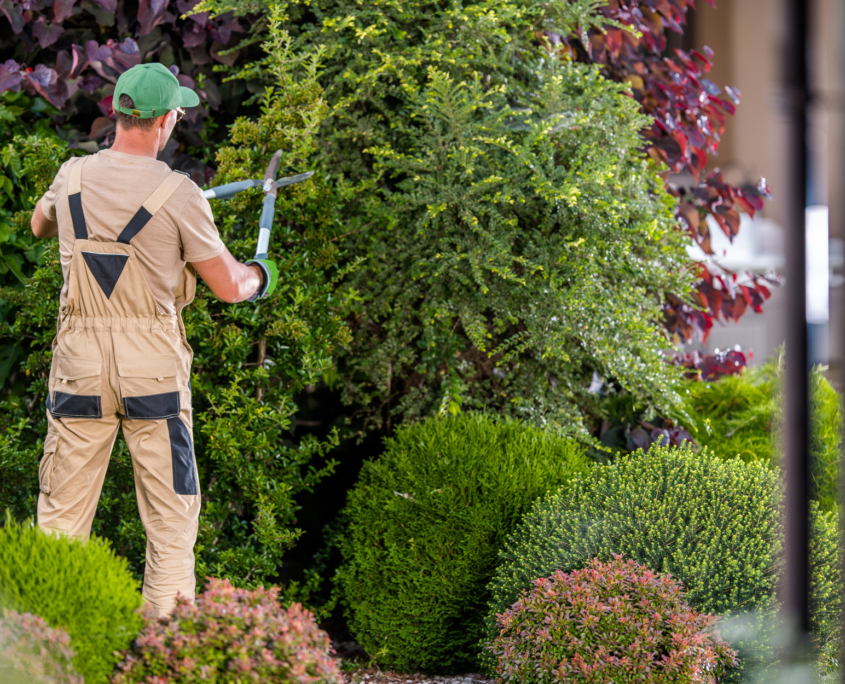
(425, 523)
(610, 623)
(81, 587)
(741, 417)
(515, 240)
(712, 524)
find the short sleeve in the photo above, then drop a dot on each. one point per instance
(57, 189)
(198, 234)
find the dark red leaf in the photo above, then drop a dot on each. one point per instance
(13, 13)
(62, 9)
(102, 126)
(10, 76)
(46, 34)
(106, 106)
(90, 83)
(80, 60)
(150, 13)
(228, 59)
(46, 82)
(193, 35)
(186, 81)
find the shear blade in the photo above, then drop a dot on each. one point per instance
(290, 180)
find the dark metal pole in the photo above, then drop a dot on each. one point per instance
(796, 584)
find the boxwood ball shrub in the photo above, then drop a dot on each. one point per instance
(425, 523)
(32, 652)
(231, 636)
(81, 587)
(610, 623)
(712, 524)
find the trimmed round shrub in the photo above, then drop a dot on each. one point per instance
(32, 652)
(610, 623)
(231, 636)
(81, 587)
(425, 524)
(739, 417)
(712, 524)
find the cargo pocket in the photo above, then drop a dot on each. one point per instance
(149, 389)
(45, 470)
(77, 387)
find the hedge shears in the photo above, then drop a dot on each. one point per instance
(270, 186)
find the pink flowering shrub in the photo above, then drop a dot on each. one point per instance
(611, 623)
(231, 636)
(32, 652)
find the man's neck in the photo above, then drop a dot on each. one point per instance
(139, 143)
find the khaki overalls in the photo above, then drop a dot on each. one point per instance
(118, 361)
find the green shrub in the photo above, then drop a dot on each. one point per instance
(611, 623)
(514, 238)
(231, 636)
(32, 652)
(426, 521)
(738, 417)
(826, 583)
(712, 524)
(83, 588)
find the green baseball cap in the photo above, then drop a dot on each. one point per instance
(153, 89)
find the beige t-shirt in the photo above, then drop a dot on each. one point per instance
(114, 186)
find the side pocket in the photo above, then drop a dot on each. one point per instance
(45, 470)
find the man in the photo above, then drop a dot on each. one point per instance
(132, 233)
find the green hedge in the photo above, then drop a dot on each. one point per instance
(425, 523)
(739, 417)
(712, 524)
(83, 588)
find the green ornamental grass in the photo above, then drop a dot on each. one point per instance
(425, 523)
(83, 588)
(714, 525)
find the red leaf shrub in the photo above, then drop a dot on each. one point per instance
(711, 367)
(231, 636)
(611, 623)
(33, 652)
(689, 113)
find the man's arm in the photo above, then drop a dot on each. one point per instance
(228, 278)
(42, 227)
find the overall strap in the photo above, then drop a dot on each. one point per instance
(152, 204)
(74, 198)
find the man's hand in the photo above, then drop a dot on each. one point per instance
(42, 227)
(228, 278)
(271, 277)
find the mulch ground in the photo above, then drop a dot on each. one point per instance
(375, 676)
(353, 660)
